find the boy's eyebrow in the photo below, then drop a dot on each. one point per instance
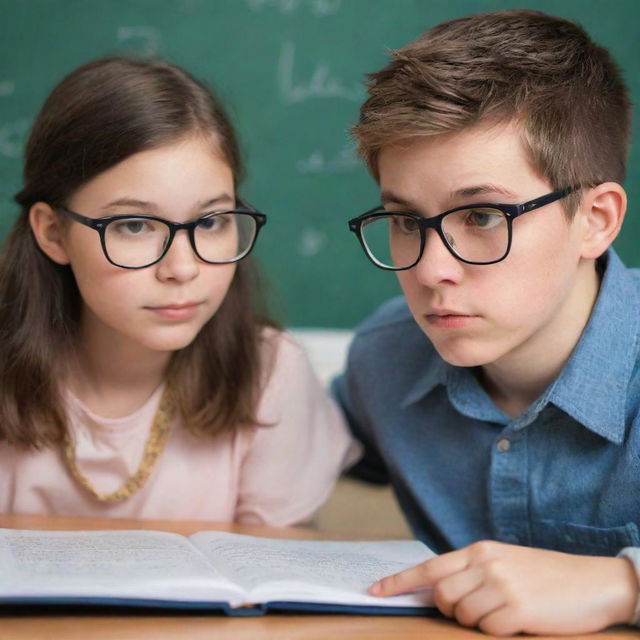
(483, 189)
(387, 196)
(142, 204)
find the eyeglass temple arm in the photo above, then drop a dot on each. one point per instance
(241, 203)
(548, 199)
(76, 216)
(355, 222)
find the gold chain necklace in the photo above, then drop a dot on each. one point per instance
(152, 451)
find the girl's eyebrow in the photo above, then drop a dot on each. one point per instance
(224, 197)
(127, 202)
(143, 204)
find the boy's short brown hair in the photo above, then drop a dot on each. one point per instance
(543, 72)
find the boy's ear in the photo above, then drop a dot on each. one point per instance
(603, 208)
(48, 230)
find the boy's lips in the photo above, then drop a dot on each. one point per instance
(448, 319)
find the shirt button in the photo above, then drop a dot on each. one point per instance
(503, 445)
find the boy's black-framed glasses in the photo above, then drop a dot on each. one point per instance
(475, 233)
(139, 241)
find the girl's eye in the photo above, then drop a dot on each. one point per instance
(133, 227)
(212, 223)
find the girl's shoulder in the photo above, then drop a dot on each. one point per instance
(280, 354)
(274, 337)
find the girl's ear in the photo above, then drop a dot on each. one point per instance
(603, 208)
(48, 230)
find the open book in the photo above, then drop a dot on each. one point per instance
(238, 574)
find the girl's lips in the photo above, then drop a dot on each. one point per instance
(176, 311)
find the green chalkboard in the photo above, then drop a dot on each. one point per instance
(291, 73)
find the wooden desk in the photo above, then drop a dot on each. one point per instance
(168, 626)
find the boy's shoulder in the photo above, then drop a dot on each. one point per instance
(389, 314)
(619, 293)
(391, 334)
(634, 274)
(618, 270)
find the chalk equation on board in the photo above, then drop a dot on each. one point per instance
(143, 40)
(7, 87)
(317, 7)
(12, 137)
(319, 162)
(322, 83)
(310, 242)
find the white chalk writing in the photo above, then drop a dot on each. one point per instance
(12, 136)
(317, 7)
(310, 242)
(7, 87)
(143, 40)
(321, 84)
(319, 162)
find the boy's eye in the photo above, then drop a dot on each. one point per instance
(484, 218)
(408, 224)
(405, 224)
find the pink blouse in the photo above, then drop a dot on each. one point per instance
(276, 475)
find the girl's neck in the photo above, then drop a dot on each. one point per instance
(112, 376)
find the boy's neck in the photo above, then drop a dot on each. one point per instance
(518, 379)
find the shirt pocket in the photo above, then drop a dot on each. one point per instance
(583, 539)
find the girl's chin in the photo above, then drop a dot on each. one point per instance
(168, 344)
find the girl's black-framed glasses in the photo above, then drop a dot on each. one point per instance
(139, 241)
(474, 234)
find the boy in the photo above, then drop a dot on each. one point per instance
(500, 396)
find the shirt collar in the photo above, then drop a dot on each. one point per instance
(591, 387)
(433, 374)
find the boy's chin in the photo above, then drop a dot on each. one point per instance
(464, 354)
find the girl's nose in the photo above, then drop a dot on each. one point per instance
(180, 263)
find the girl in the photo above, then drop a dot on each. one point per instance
(136, 377)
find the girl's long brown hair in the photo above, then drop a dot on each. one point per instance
(97, 116)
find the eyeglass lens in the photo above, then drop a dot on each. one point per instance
(136, 242)
(477, 235)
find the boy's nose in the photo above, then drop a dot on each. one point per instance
(437, 264)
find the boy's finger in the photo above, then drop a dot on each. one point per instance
(408, 580)
(424, 575)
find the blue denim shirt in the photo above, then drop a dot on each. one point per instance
(563, 475)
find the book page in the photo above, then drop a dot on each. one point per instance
(120, 564)
(312, 570)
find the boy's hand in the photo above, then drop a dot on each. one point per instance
(505, 589)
